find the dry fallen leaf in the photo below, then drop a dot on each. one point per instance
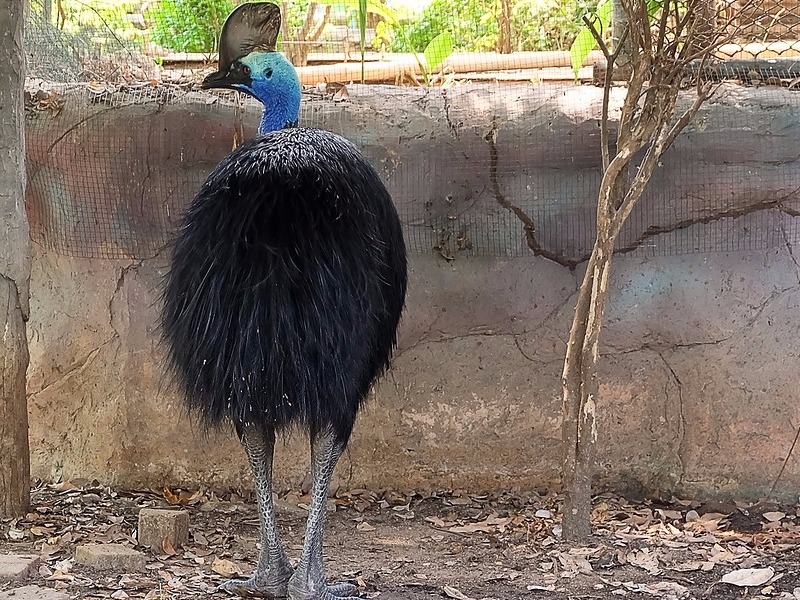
(748, 577)
(182, 497)
(342, 94)
(364, 526)
(644, 559)
(167, 547)
(452, 592)
(540, 588)
(224, 567)
(773, 516)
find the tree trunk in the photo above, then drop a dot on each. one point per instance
(504, 23)
(298, 47)
(619, 23)
(14, 268)
(657, 68)
(580, 386)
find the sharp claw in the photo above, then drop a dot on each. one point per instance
(342, 589)
(336, 591)
(250, 588)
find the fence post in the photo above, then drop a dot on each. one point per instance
(15, 267)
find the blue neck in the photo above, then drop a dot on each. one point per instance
(273, 120)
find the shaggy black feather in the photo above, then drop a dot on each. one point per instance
(286, 286)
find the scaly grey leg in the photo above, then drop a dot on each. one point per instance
(308, 581)
(271, 578)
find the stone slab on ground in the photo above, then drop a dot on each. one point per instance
(110, 557)
(17, 567)
(33, 592)
(157, 525)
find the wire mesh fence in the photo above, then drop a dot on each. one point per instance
(494, 153)
(764, 29)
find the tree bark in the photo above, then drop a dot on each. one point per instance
(299, 45)
(619, 23)
(645, 130)
(14, 268)
(504, 22)
(580, 387)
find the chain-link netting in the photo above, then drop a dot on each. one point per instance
(490, 154)
(763, 29)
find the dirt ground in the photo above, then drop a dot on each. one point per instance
(406, 546)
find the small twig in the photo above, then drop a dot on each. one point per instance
(611, 59)
(785, 462)
(597, 37)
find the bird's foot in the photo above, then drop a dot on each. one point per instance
(258, 586)
(307, 590)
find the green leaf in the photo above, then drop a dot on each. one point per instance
(653, 6)
(584, 41)
(362, 27)
(438, 50)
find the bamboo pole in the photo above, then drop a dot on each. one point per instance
(458, 63)
(396, 65)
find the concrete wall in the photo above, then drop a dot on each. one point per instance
(700, 354)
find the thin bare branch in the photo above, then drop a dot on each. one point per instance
(611, 60)
(598, 38)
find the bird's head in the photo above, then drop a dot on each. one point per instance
(270, 78)
(248, 63)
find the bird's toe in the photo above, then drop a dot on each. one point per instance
(335, 591)
(342, 590)
(257, 587)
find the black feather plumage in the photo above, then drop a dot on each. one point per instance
(286, 286)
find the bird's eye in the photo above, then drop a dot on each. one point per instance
(268, 73)
(246, 70)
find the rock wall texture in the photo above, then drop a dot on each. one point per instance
(700, 354)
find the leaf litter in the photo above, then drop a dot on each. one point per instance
(406, 545)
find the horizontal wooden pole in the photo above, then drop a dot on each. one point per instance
(478, 62)
(394, 66)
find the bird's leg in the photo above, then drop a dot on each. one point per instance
(273, 571)
(308, 581)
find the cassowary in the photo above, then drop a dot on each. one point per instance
(284, 293)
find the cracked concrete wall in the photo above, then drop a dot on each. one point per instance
(699, 357)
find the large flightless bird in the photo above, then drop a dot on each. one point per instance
(284, 293)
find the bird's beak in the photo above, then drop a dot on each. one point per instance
(234, 79)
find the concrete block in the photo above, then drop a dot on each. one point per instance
(17, 567)
(33, 592)
(110, 557)
(156, 525)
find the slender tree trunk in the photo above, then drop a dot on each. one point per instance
(298, 51)
(504, 22)
(580, 386)
(14, 268)
(663, 47)
(619, 23)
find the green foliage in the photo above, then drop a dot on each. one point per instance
(536, 24)
(104, 22)
(585, 41)
(547, 24)
(383, 36)
(356, 6)
(471, 23)
(362, 28)
(438, 50)
(601, 19)
(188, 25)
